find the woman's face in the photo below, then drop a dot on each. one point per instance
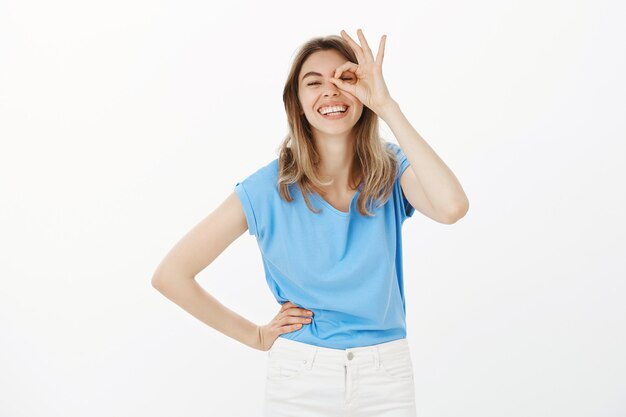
(315, 92)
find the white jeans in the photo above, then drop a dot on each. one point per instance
(310, 381)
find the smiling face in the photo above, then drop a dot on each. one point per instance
(315, 92)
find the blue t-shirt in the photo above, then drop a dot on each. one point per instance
(344, 267)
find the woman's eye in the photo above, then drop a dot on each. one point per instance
(343, 78)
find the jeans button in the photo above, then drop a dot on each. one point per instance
(350, 355)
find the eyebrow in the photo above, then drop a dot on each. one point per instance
(311, 73)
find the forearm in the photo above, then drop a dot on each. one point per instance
(195, 300)
(441, 186)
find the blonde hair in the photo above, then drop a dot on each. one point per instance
(298, 158)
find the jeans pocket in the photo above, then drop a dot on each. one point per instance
(283, 367)
(396, 365)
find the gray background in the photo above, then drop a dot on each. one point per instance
(124, 123)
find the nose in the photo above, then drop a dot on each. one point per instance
(331, 90)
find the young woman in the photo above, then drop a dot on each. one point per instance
(327, 215)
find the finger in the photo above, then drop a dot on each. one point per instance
(369, 57)
(343, 85)
(357, 49)
(346, 66)
(381, 50)
(297, 319)
(296, 326)
(305, 312)
(297, 312)
(290, 321)
(289, 328)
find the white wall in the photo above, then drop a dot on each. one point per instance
(124, 123)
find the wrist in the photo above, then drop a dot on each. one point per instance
(258, 337)
(387, 108)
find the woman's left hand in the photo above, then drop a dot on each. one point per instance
(370, 87)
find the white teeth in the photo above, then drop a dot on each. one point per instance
(333, 109)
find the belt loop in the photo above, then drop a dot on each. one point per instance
(311, 357)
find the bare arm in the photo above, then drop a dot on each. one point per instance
(175, 275)
(428, 183)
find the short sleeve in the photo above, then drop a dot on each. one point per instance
(248, 207)
(256, 193)
(403, 163)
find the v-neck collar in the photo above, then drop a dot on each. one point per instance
(333, 209)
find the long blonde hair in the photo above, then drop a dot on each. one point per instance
(298, 157)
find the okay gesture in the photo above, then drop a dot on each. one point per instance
(370, 87)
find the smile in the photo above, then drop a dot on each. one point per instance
(335, 115)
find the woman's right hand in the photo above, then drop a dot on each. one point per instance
(289, 318)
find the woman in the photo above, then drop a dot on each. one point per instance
(327, 215)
